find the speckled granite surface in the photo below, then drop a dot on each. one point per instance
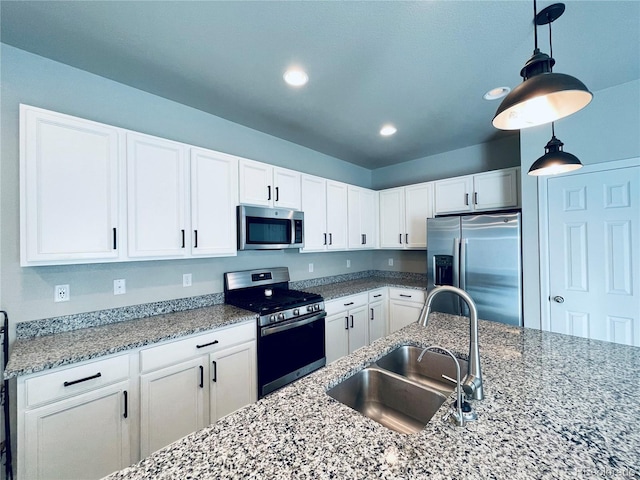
(40, 353)
(556, 407)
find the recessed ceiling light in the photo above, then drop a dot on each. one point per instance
(296, 77)
(496, 93)
(388, 130)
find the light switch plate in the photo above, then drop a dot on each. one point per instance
(119, 287)
(186, 280)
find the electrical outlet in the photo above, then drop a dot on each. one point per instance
(119, 287)
(311, 268)
(186, 280)
(348, 263)
(391, 262)
(61, 293)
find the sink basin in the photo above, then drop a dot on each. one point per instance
(389, 399)
(404, 361)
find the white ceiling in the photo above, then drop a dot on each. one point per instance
(423, 66)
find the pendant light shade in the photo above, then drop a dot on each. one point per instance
(543, 96)
(555, 160)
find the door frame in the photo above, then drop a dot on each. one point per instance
(543, 229)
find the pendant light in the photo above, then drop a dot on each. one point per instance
(543, 96)
(555, 160)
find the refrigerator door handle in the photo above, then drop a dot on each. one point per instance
(456, 262)
(463, 263)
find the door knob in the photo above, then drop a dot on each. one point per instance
(558, 299)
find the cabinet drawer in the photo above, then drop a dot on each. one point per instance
(62, 383)
(345, 303)
(377, 295)
(407, 294)
(177, 351)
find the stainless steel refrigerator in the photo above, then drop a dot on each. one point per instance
(482, 255)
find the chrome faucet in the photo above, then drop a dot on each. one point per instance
(472, 384)
(458, 417)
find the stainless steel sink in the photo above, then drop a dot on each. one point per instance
(404, 361)
(389, 399)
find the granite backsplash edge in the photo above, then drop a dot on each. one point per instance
(66, 323)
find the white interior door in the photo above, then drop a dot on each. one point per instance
(594, 254)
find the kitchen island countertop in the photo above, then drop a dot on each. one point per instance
(556, 406)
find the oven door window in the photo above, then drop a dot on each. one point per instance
(268, 231)
(282, 353)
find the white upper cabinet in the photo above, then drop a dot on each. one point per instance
(484, 191)
(403, 216)
(157, 197)
(362, 210)
(324, 203)
(69, 189)
(268, 186)
(214, 196)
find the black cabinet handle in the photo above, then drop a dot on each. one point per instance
(195, 237)
(372, 314)
(207, 344)
(268, 192)
(400, 238)
(115, 239)
(215, 371)
(325, 239)
(406, 296)
(277, 194)
(331, 239)
(347, 304)
(364, 239)
(125, 394)
(351, 320)
(475, 198)
(201, 376)
(378, 295)
(466, 199)
(182, 237)
(346, 323)
(73, 382)
(406, 238)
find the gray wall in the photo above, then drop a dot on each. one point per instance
(492, 155)
(606, 130)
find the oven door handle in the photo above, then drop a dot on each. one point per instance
(264, 331)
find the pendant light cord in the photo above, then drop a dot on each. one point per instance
(535, 26)
(550, 45)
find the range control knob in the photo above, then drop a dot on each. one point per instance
(281, 316)
(309, 308)
(296, 312)
(316, 307)
(272, 318)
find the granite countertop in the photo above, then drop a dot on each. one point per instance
(35, 354)
(556, 406)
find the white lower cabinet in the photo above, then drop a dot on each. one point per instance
(346, 326)
(405, 305)
(74, 423)
(377, 314)
(190, 383)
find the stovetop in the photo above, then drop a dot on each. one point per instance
(266, 300)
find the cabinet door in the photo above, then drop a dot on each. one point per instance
(453, 195)
(286, 188)
(418, 207)
(84, 437)
(402, 314)
(337, 215)
(392, 218)
(377, 321)
(157, 197)
(232, 379)
(214, 196)
(497, 189)
(358, 328)
(255, 180)
(361, 218)
(69, 174)
(336, 336)
(314, 206)
(172, 404)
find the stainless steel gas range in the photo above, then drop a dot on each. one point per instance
(290, 324)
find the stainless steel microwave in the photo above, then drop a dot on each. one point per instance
(261, 228)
